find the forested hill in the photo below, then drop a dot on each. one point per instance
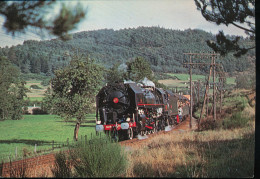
(163, 48)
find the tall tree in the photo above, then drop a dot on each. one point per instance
(12, 91)
(73, 89)
(240, 13)
(20, 15)
(138, 69)
(116, 73)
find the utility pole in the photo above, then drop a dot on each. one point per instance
(191, 96)
(198, 91)
(214, 88)
(191, 64)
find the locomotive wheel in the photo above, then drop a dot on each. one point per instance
(130, 133)
(167, 122)
(142, 133)
(148, 132)
(154, 130)
(115, 135)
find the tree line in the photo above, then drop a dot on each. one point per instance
(163, 49)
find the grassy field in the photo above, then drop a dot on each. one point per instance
(182, 80)
(35, 94)
(40, 130)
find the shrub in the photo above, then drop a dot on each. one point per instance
(209, 124)
(62, 167)
(45, 82)
(39, 111)
(235, 121)
(99, 158)
(35, 87)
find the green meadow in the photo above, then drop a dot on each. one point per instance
(41, 130)
(35, 94)
(186, 77)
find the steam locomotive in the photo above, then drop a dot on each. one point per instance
(129, 109)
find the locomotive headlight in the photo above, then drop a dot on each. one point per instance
(115, 100)
(99, 128)
(124, 125)
(128, 119)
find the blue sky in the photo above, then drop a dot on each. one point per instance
(120, 14)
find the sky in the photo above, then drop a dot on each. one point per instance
(120, 14)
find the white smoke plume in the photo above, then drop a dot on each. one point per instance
(122, 67)
(128, 81)
(147, 82)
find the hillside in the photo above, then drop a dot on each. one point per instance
(163, 48)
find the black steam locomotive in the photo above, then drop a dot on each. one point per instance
(128, 109)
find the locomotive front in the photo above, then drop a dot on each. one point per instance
(114, 111)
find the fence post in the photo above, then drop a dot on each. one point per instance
(15, 152)
(81, 139)
(52, 144)
(68, 142)
(85, 139)
(35, 148)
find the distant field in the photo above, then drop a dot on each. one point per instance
(35, 94)
(186, 77)
(40, 130)
(182, 80)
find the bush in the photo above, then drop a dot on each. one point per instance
(99, 158)
(209, 124)
(62, 167)
(35, 87)
(235, 121)
(39, 111)
(45, 82)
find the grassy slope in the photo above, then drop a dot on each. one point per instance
(214, 153)
(40, 130)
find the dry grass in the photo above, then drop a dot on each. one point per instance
(222, 153)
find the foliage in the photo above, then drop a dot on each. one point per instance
(35, 87)
(240, 13)
(22, 15)
(99, 158)
(12, 91)
(246, 81)
(45, 82)
(138, 69)
(62, 168)
(73, 89)
(162, 48)
(235, 121)
(116, 73)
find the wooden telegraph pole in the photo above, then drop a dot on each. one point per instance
(191, 96)
(191, 64)
(214, 88)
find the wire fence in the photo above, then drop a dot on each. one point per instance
(38, 149)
